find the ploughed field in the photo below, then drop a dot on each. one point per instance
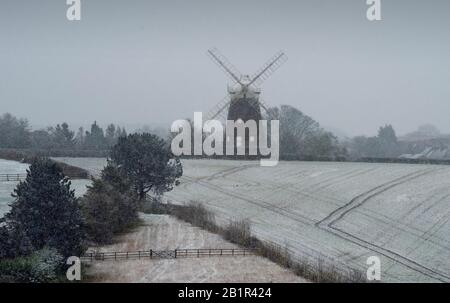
(340, 213)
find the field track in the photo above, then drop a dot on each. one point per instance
(214, 183)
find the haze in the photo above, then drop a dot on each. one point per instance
(144, 62)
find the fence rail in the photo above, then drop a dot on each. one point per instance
(21, 177)
(12, 177)
(166, 254)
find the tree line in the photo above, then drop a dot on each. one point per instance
(301, 138)
(16, 133)
(384, 145)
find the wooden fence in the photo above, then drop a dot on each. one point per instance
(21, 177)
(12, 177)
(166, 254)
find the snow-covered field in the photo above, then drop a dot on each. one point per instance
(7, 187)
(339, 212)
(92, 165)
(162, 232)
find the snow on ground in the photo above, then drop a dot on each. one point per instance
(162, 232)
(340, 212)
(92, 165)
(7, 187)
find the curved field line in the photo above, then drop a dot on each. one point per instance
(258, 202)
(328, 222)
(357, 201)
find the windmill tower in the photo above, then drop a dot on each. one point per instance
(243, 100)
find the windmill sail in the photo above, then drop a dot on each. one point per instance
(223, 62)
(268, 69)
(219, 110)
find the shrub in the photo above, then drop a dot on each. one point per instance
(14, 242)
(196, 214)
(238, 232)
(42, 266)
(109, 206)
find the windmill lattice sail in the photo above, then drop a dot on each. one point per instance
(268, 69)
(230, 70)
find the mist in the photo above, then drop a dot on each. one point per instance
(145, 62)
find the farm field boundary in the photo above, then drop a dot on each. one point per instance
(167, 254)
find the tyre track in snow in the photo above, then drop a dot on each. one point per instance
(258, 202)
(328, 222)
(360, 199)
(310, 252)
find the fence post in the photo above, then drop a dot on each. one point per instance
(175, 253)
(139, 255)
(232, 252)
(115, 255)
(221, 250)
(198, 253)
(151, 253)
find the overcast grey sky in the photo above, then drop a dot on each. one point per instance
(134, 62)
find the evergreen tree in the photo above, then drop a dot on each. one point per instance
(110, 134)
(148, 162)
(79, 138)
(63, 137)
(387, 135)
(95, 139)
(109, 206)
(14, 133)
(46, 209)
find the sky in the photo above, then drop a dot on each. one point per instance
(144, 62)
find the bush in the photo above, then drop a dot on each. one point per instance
(238, 232)
(14, 242)
(196, 214)
(109, 206)
(44, 265)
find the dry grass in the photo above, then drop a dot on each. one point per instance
(239, 232)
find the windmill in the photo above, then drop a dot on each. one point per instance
(243, 99)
